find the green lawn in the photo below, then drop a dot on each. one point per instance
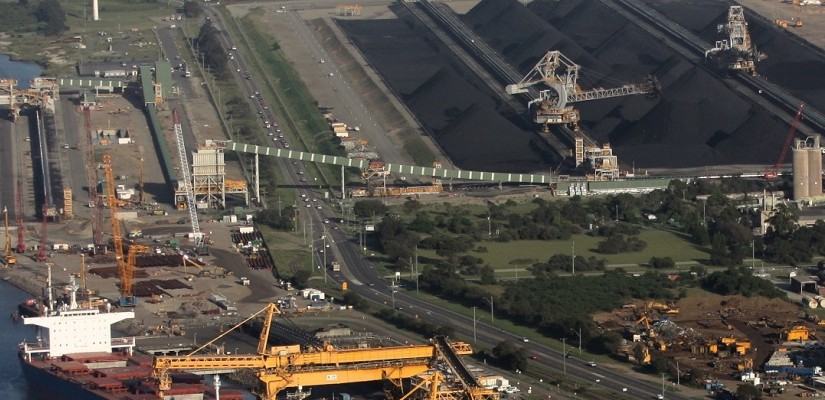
(659, 244)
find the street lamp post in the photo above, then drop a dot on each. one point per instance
(564, 355)
(573, 252)
(475, 320)
(236, 351)
(579, 334)
(492, 316)
(489, 227)
(195, 341)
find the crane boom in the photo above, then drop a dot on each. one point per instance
(774, 172)
(10, 258)
(126, 298)
(280, 367)
(187, 181)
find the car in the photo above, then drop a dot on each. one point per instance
(524, 339)
(271, 134)
(314, 199)
(591, 364)
(300, 172)
(372, 284)
(257, 93)
(319, 207)
(308, 206)
(660, 396)
(326, 221)
(306, 199)
(251, 96)
(266, 108)
(286, 145)
(238, 70)
(335, 226)
(534, 357)
(303, 195)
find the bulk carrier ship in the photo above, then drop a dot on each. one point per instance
(76, 358)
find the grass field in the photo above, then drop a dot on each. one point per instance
(127, 26)
(520, 254)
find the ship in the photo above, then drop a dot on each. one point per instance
(75, 357)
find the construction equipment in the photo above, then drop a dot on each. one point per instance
(18, 210)
(41, 253)
(737, 52)
(560, 74)
(797, 333)
(10, 258)
(280, 367)
(793, 23)
(126, 298)
(186, 181)
(773, 172)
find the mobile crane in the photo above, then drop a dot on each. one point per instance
(124, 269)
(280, 367)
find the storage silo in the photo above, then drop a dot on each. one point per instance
(809, 302)
(814, 165)
(800, 169)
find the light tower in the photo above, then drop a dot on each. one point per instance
(95, 15)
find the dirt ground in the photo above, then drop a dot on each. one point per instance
(707, 318)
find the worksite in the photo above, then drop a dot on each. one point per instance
(727, 340)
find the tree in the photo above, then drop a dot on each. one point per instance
(661, 263)
(488, 275)
(748, 391)
(301, 278)
(509, 356)
(52, 18)
(191, 9)
(369, 208)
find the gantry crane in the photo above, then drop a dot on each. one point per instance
(126, 297)
(560, 74)
(10, 258)
(186, 179)
(773, 172)
(737, 52)
(280, 367)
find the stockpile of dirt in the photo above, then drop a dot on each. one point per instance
(456, 109)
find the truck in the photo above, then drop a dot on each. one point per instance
(336, 266)
(244, 281)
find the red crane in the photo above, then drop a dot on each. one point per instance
(41, 254)
(18, 211)
(773, 173)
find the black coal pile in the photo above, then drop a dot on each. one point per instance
(696, 121)
(455, 107)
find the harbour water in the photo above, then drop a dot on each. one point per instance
(23, 72)
(12, 384)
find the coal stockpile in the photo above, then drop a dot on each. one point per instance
(453, 105)
(697, 121)
(159, 260)
(789, 64)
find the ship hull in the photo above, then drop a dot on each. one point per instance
(45, 385)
